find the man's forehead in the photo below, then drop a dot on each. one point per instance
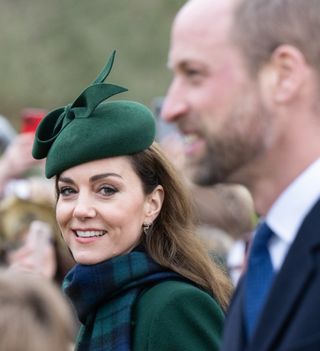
(191, 40)
(207, 11)
(201, 25)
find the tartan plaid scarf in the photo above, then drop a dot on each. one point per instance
(103, 295)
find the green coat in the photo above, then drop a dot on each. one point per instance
(175, 315)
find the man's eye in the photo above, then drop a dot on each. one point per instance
(107, 190)
(190, 72)
(194, 76)
(66, 191)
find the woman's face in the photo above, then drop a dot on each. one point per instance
(101, 209)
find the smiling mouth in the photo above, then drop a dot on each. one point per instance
(89, 233)
(190, 138)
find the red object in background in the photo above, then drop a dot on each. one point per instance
(31, 117)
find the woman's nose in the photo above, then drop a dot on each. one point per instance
(84, 208)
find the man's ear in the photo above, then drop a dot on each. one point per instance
(285, 73)
(153, 204)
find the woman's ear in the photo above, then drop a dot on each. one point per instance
(153, 204)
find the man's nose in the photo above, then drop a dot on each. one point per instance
(174, 105)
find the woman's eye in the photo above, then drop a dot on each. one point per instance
(66, 191)
(107, 190)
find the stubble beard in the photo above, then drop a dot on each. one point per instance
(231, 152)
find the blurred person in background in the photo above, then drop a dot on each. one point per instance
(15, 160)
(245, 94)
(143, 279)
(7, 133)
(29, 237)
(34, 316)
(17, 166)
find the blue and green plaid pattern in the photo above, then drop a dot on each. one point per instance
(103, 295)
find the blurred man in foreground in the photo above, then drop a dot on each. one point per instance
(245, 94)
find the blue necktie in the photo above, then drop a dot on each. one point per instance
(258, 277)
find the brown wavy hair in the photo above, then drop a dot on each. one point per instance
(172, 240)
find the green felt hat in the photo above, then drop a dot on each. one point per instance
(91, 129)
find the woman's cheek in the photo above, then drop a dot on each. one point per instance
(62, 216)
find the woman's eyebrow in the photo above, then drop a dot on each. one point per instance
(66, 180)
(91, 179)
(103, 175)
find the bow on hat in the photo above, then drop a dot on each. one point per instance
(52, 125)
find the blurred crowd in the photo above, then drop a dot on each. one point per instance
(33, 257)
(29, 237)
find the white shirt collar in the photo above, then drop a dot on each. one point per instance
(288, 212)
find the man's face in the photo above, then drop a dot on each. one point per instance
(212, 98)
